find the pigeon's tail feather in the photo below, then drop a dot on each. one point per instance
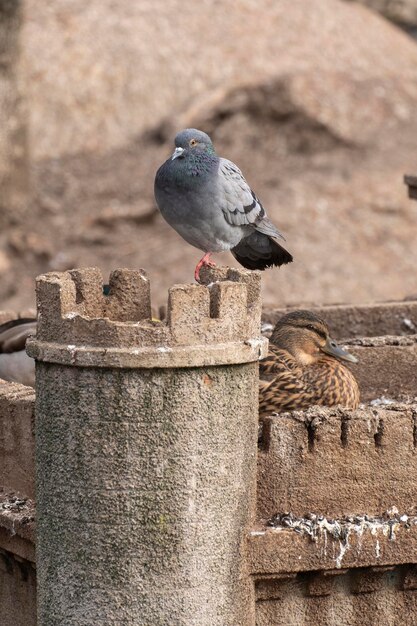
(258, 251)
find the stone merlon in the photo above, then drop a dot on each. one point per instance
(79, 325)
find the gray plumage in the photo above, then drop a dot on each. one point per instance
(15, 364)
(207, 200)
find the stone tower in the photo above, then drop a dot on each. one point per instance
(146, 449)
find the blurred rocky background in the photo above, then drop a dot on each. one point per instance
(403, 12)
(315, 101)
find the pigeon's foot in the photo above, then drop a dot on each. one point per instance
(204, 261)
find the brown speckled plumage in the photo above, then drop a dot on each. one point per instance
(300, 369)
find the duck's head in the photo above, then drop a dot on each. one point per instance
(306, 337)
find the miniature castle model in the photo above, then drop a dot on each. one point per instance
(147, 461)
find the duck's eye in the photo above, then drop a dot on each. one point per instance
(317, 331)
(193, 142)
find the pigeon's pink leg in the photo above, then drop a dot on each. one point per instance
(204, 261)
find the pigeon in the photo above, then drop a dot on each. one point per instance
(207, 200)
(15, 365)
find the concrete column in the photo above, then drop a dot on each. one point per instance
(146, 450)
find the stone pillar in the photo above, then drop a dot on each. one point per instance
(146, 443)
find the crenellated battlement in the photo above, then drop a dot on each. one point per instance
(79, 325)
(312, 450)
(63, 296)
(146, 435)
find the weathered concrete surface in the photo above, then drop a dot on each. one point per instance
(17, 525)
(17, 438)
(17, 591)
(17, 545)
(141, 498)
(387, 366)
(145, 477)
(213, 324)
(279, 552)
(368, 320)
(370, 597)
(17, 474)
(337, 462)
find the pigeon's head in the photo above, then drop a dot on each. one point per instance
(192, 141)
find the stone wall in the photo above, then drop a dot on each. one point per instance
(17, 590)
(17, 471)
(335, 535)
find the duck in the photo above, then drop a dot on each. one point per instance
(15, 365)
(305, 367)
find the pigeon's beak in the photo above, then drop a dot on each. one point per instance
(177, 153)
(333, 349)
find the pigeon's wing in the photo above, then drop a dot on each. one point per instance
(240, 205)
(13, 334)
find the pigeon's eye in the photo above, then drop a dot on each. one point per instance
(193, 142)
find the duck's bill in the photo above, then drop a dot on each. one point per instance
(332, 348)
